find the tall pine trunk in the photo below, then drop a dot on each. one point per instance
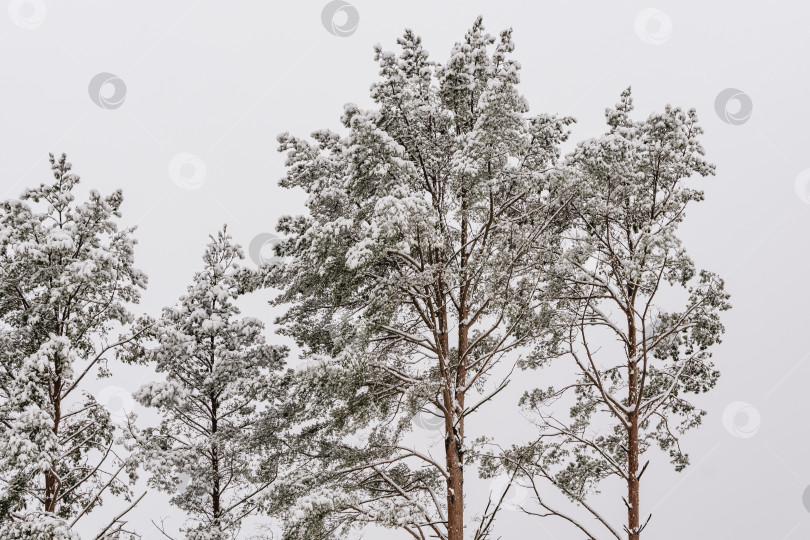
(454, 444)
(52, 483)
(455, 490)
(453, 400)
(632, 431)
(454, 440)
(215, 488)
(633, 480)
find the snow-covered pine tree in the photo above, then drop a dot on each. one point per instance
(419, 268)
(66, 278)
(642, 318)
(220, 375)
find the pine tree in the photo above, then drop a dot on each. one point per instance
(419, 270)
(641, 319)
(66, 279)
(220, 375)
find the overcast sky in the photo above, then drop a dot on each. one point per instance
(185, 121)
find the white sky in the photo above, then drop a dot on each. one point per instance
(220, 80)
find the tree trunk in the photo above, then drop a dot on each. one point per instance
(632, 480)
(453, 399)
(455, 492)
(632, 431)
(215, 488)
(454, 444)
(52, 484)
(454, 441)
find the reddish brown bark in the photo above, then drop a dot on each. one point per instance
(633, 521)
(633, 482)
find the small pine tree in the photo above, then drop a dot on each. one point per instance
(220, 375)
